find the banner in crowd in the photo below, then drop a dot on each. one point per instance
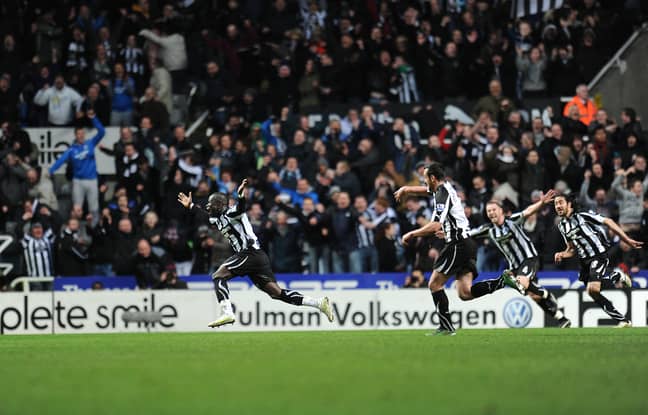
(53, 141)
(181, 311)
(382, 281)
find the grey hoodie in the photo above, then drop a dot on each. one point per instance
(630, 205)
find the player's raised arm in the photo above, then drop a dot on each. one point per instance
(614, 227)
(240, 203)
(185, 200)
(400, 194)
(544, 199)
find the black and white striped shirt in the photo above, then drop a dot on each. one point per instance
(447, 210)
(510, 239)
(364, 235)
(236, 227)
(586, 232)
(38, 254)
(133, 61)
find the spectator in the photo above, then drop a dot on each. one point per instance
(387, 247)
(37, 251)
(532, 67)
(173, 52)
(97, 100)
(101, 250)
(124, 244)
(76, 52)
(61, 100)
(81, 156)
(346, 179)
(586, 107)
(364, 257)
(152, 231)
(8, 100)
(341, 222)
(176, 245)
(101, 67)
(162, 86)
(630, 201)
(13, 185)
(150, 270)
(156, 111)
(599, 203)
(41, 188)
(73, 247)
(284, 244)
(495, 102)
(562, 72)
(134, 63)
(308, 86)
(122, 92)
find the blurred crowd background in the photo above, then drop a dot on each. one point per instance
(321, 188)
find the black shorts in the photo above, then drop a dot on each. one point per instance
(528, 268)
(593, 269)
(252, 262)
(458, 258)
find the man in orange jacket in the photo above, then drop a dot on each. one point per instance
(586, 107)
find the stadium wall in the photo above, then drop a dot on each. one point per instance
(623, 83)
(189, 311)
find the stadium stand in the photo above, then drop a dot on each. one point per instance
(326, 107)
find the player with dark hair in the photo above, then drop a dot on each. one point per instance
(248, 259)
(584, 235)
(459, 256)
(507, 233)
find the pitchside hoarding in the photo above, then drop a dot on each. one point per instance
(102, 311)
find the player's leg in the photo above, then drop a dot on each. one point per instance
(594, 290)
(471, 291)
(616, 278)
(545, 300)
(269, 286)
(595, 272)
(437, 288)
(220, 277)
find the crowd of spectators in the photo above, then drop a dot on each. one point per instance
(320, 195)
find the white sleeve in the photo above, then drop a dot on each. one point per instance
(42, 96)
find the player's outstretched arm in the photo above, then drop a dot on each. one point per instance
(614, 227)
(544, 199)
(430, 228)
(185, 200)
(402, 192)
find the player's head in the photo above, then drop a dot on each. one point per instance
(217, 204)
(564, 205)
(494, 211)
(434, 173)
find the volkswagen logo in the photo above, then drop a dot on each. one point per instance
(517, 313)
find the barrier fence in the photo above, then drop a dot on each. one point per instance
(549, 279)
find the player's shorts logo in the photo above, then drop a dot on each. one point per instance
(517, 313)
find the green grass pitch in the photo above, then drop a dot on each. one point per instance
(541, 371)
